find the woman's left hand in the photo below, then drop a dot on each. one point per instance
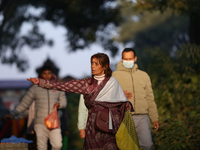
(34, 80)
(128, 94)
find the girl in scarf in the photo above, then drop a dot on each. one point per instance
(101, 92)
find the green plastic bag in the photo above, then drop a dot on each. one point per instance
(126, 136)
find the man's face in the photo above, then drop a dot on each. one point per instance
(129, 56)
(46, 75)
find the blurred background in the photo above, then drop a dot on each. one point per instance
(65, 33)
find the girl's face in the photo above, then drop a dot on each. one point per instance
(96, 68)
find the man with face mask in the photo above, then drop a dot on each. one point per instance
(137, 87)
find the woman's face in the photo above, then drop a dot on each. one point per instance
(96, 68)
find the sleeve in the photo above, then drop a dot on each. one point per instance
(21, 115)
(82, 114)
(74, 86)
(153, 113)
(62, 100)
(26, 102)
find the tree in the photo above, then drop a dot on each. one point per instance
(183, 7)
(151, 29)
(83, 19)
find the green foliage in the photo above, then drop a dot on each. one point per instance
(178, 6)
(176, 88)
(74, 140)
(155, 29)
(189, 8)
(151, 29)
(178, 135)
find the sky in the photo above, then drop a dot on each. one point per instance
(76, 64)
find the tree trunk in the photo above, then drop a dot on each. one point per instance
(194, 32)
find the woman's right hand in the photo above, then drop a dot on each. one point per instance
(82, 133)
(34, 80)
(129, 95)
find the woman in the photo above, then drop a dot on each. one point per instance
(101, 92)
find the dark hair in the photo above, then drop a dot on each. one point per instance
(44, 68)
(129, 50)
(104, 62)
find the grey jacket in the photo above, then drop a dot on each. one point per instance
(44, 102)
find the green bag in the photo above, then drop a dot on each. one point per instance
(126, 136)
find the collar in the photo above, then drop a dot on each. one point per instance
(100, 78)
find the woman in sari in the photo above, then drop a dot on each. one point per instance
(101, 92)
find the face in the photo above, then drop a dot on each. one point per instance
(46, 75)
(96, 68)
(129, 56)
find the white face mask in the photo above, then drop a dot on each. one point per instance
(128, 64)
